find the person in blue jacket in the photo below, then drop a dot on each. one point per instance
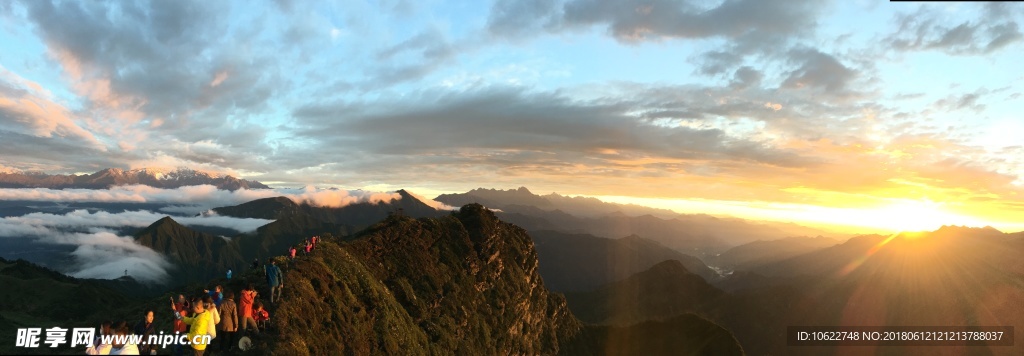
(275, 279)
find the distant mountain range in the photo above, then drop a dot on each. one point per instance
(666, 289)
(951, 276)
(358, 215)
(581, 262)
(698, 235)
(399, 275)
(111, 177)
(750, 255)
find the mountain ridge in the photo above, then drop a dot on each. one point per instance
(700, 235)
(358, 215)
(196, 256)
(463, 283)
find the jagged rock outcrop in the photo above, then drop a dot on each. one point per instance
(465, 284)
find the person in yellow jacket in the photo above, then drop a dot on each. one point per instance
(199, 324)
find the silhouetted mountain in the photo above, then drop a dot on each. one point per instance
(580, 262)
(951, 276)
(496, 198)
(464, 283)
(266, 208)
(696, 234)
(197, 257)
(110, 177)
(763, 252)
(275, 238)
(685, 334)
(358, 215)
(742, 280)
(822, 261)
(579, 206)
(670, 233)
(666, 289)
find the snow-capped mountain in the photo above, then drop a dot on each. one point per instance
(154, 177)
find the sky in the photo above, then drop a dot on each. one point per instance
(850, 114)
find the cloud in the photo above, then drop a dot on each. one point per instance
(433, 203)
(106, 255)
(521, 18)
(200, 196)
(738, 29)
(746, 77)
(458, 124)
(27, 109)
(639, 20)
(97, 254)
(173, 65)
(141, 218)
(336, 198)
(992, 29)
(963, 101)
(819, 71)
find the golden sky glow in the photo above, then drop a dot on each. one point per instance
(848, 114)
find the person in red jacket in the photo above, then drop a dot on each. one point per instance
(245, 314)
(261, 315)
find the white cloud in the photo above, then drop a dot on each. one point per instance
(106, 255)
(433, 203)
(102, 254)
(141, 218)
(202, 197)
(99, 254)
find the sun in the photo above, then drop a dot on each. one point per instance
(916, 215)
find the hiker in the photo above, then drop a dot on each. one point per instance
(214, 312)
(198, 324)
(182, 309)
(145, 328)
(121, 330)
(96, 348)
(228, 320)
(275, 279)
(229, 274)
(261, 315)
(217, 294)
(291, 252)
(255, 263)
(245, 308)
(309, 247)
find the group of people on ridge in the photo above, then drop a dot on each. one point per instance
(108, 328)
(308, 247)
(213, 312)
(216, 314)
